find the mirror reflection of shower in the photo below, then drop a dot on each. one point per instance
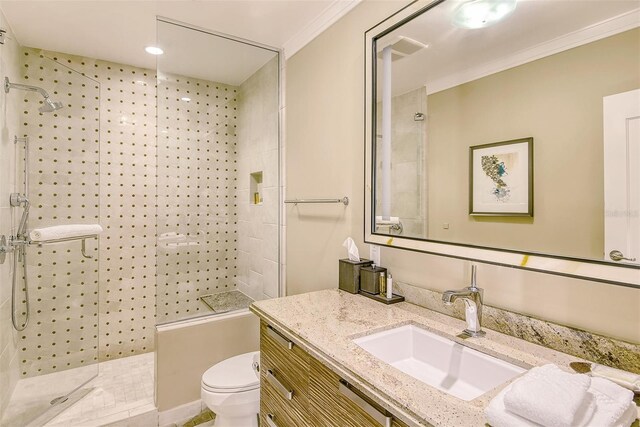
(48, 105)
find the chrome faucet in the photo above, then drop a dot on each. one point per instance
(472, 297)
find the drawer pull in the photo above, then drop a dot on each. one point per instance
(270, 420)
(382, 418)
(279, 338)
(287, 394)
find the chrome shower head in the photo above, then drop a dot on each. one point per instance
(50, 106)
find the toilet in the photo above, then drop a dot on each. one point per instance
(231, 389)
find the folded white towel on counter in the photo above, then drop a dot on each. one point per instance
(625, 379)
(612, 403)
(604, 404)
(64, 232)
(626, 420)
(548, 396)
(498, 416)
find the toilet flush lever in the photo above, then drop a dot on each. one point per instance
(616, 255)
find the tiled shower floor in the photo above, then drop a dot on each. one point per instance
(123, 389)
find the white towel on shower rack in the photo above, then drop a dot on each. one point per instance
(64, 232)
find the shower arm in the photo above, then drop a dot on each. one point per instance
(8, 86)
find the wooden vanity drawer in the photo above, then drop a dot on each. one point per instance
(284, 412)
(334, 405)
(285, 357)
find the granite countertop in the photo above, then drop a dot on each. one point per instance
(324, 323)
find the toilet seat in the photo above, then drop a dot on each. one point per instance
(233, 375)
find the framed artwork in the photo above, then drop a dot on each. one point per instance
(501, 178)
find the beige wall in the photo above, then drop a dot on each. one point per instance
(325, 155)
(185, 352)
(556, 100)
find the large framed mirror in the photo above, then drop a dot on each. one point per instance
(508, 132)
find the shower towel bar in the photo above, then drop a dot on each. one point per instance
(66, 239)
(40, 243)
(344, 201)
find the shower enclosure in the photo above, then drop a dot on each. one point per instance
(180, 165)
(217, 173)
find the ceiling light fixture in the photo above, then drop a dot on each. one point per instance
(154, 50)
(185, 99)
(482, 13)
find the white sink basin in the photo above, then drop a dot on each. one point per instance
(441, 363)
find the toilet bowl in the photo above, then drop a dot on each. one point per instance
(231, 389)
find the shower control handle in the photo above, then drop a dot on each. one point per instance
(17, 199)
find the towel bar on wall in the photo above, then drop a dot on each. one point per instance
(344, 201)
(9, 245)
(83, 238)
(64, 239)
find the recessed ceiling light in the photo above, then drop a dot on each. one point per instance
(185, 99)
(482, 13)
(154, 50)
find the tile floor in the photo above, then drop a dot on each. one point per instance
(123, 390)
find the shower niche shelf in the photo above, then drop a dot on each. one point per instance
(255, 188)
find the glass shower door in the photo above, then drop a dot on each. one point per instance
(218, 173)
(57, 352)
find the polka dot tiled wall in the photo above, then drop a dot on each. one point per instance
(197, 176)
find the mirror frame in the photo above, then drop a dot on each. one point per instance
(574, 267)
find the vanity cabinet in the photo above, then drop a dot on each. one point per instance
(284, 380)
(298, 390)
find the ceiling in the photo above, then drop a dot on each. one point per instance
(118, 31)
(203, 56)
(535, 29)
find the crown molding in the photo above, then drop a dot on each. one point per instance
(336, 10)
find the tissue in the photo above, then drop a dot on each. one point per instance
(352, 249)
